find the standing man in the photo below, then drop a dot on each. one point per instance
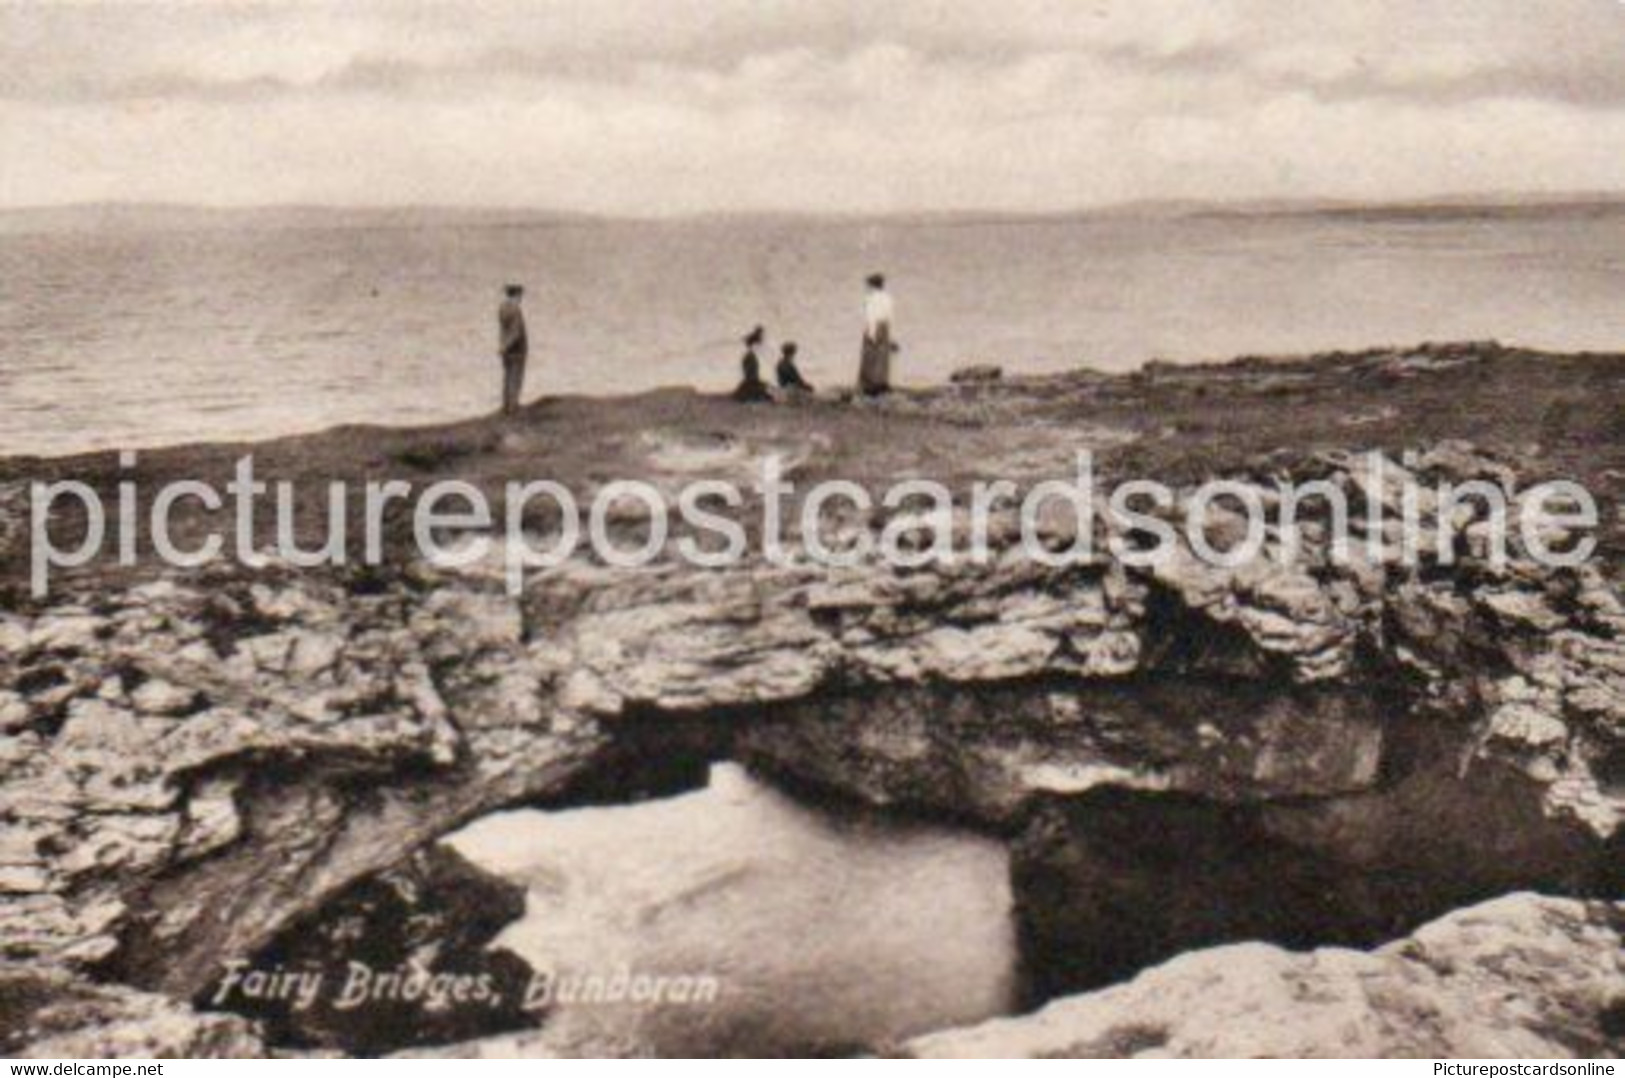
(874, 369)
(514, 347)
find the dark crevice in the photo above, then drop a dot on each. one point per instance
(649, 755)
(1115, 881)
(397, 960)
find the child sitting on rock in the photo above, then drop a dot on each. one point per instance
(789, 375)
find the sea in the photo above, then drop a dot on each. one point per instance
(142, 336)
(817, 928)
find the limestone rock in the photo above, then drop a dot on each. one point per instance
(977, 372)
(46, 1014)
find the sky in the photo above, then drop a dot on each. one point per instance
(661, 107)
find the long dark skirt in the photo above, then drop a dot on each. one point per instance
(874, 368)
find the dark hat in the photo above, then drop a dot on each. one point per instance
(788, 348)
(514, 289)
(877, 280)
(755, 336)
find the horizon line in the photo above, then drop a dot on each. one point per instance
(1194, 205)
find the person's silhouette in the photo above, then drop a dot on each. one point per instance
(513, 346)
(789, 375)
(751, 388)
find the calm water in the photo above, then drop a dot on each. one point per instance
(160, 337)
(821, 929)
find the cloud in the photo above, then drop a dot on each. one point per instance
(1568, 50)
(670, 105)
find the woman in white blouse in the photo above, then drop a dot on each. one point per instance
(874, 368)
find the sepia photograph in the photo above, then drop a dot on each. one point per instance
(812, 529)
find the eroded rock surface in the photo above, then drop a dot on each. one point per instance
(49, 1014)
(301, 739)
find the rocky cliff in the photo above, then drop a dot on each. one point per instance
(191, 762)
